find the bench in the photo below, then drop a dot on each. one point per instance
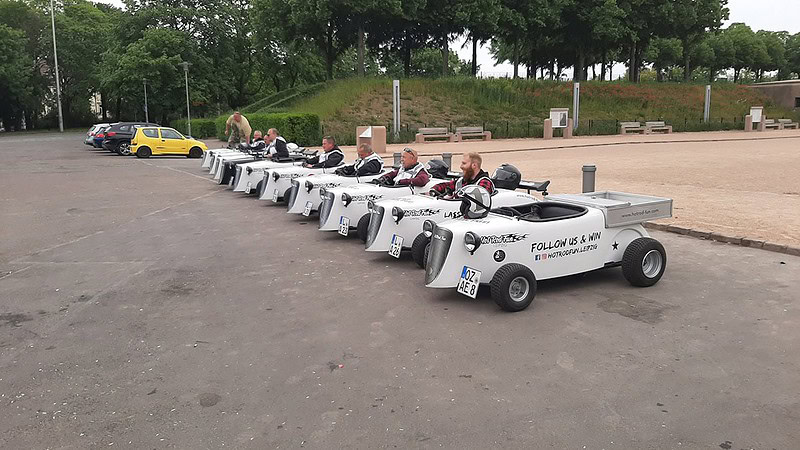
(657, 126)
(771, 123)
(434, 133)
(787, 123)
(631, 127)
(469, 132)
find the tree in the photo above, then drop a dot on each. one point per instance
(15, 73)
(664, 53)
(690, 20)
(793, 54)
(748, 49)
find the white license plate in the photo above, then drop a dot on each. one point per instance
(275, 196)
(307, 210)
(397, 246)
(469, 282)
(344, 225)
(247, 189)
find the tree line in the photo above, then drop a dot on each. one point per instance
(241, 50)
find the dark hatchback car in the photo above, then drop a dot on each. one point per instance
(118, 136)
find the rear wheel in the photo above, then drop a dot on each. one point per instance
(144, 152)
(418, 249)
(363, 225)
(124, 148)
(513, 287)
(286, 195)
(644, 261)
(195, 152)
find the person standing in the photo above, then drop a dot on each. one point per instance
(239, 128)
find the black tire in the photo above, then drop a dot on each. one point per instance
(286, 194)
(644, 262)
(513, 298)
(144, 152)
(362, 227)
(418, 249)
(124, 148)
(257, 190)
(195, 152)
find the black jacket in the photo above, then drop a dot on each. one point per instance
(279, 144)
(332, 159)
(371, 165)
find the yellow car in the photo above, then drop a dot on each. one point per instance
(164, 141)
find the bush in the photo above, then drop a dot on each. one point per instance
(300, 128)
(201, 128)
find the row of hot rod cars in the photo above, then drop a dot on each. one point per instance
(509, 240)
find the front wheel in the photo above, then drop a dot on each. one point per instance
(419, 251)
(513, 287)
(644, 261)
(144, 152)
(286, 194)
(195, 152)
(363, 226)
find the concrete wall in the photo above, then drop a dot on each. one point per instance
(784, 93)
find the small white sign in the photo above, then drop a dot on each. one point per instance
(469, 282)
(275, 196)
(397, 246)
(307, 210)
(559, 117)
(344, 225)
(756, 112)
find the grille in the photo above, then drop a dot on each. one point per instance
(440, 246)
(263, 185)
(293, 194)
(237, 176)
(376, 217)
(325, 208)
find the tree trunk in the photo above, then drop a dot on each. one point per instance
(407, 60)
(330, 58)
(360, 50)
(445, 56)
(686, 69)
(603, 63)
(559, 68)
(659, 74)
(580, 61)
(474, 55)
(638, 59)
(119, 107)
(711, 74)
(516, 58)
(542, 73)
(552, 70)
(632, 62)
(594, 72)
(735, 75)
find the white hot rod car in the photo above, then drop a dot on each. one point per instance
(511, 248)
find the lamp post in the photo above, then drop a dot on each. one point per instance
(146, 114)
(55, 59)
(186, 65)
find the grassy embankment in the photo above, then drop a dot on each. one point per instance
(516, 108)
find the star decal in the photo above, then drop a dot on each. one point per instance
(615, 245)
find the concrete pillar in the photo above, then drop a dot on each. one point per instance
(589, 171)
(448, 159)
(397, 158)
(748, 123)
(761, 124)
(548, 128)
(568, 130)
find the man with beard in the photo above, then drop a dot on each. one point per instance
(471, 174)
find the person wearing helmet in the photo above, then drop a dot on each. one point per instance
(332, 155)
(411, 172)
(471, 174)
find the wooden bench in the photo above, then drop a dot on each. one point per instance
(434, 133)
(470, 132)
(658, 127)
(631, 127)
(772, 124)
(787, 123)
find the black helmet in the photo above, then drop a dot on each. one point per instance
(437, 168)
(507, 177)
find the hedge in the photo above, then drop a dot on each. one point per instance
(201, 128)
(300, 128)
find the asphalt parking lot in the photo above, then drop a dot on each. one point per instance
(143, 306)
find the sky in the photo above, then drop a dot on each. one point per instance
(771, 15)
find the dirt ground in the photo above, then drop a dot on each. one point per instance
(733, 183)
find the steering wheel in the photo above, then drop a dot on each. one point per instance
(536, 212)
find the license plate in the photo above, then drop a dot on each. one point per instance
(468, 284)
(397, 246)
(307, 210)
(247, 189)
(344, 225)
(275, 196)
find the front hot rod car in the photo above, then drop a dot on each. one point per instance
(511, 248)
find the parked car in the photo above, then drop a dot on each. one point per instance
(164, 141)
(92, 131)
(118, 136)
(100, 136)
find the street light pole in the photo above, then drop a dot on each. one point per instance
(55, 59)
(188, 117)
(146, 115)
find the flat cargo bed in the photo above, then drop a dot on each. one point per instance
(621, 208)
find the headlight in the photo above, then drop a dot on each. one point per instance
(309, 186)
(249, 170)
(471, 242)
(370, 205)
(397, 213)
(346, 199)
(275, 176)
(322, 192)
(427, 228)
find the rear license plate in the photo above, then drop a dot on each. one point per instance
(247, 189)
(469, 282)
(275, 196)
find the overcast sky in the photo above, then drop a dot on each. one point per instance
(772, 15)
